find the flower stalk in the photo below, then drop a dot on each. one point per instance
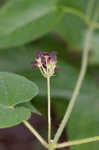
(49, 110)
(46, 62)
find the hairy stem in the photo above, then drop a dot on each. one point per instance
(78, 86)
(32, 130)
(49, 110)
(77, 142)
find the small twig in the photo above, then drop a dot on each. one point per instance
(77, 142)
(37, 135)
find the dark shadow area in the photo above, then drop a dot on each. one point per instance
(2, 2)
(19, 137)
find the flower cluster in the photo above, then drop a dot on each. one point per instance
(46, 62)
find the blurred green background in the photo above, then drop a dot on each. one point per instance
(59, 25)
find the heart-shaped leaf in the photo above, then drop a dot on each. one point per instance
(12, 116)
(31, 107)
(15, 89)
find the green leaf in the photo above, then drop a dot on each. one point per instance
(24, 21)
(29, 106)
(13, 116)
(80, 5)
(16, 59)
(72, 26)
(15, 89)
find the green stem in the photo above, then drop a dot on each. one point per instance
(96, 15)
(42, 141)
(80, 79)
(77, 142)
(89, 9)
(82, 16)
(76, 12)
(49, 110)
(78, 86)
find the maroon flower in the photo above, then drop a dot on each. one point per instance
(45, 54)
(46, 62)
(37, 54)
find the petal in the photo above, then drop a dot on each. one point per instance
(37, 54)
(57, 68)
(43, 61)
(53, 59)
(53, 53)
(45, 53)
